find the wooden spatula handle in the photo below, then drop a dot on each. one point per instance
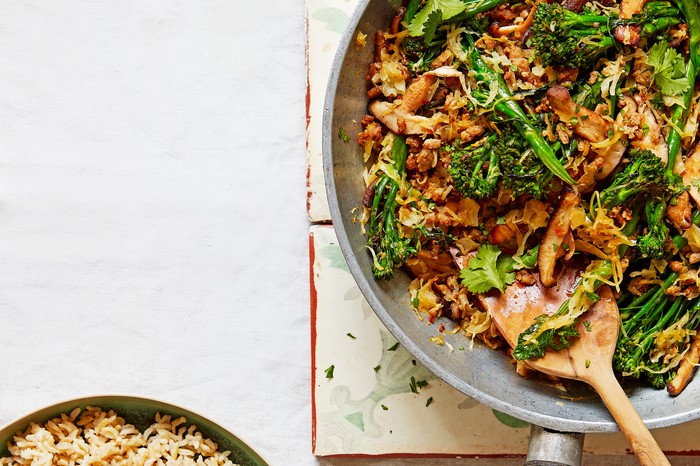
(643, 443)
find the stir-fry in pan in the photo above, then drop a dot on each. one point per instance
(510, 144)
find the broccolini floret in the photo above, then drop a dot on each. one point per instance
(523, 173)
(562, 37)
(385, 239)
(475, 169)
(643, 175)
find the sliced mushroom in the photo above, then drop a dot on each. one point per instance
(653, 140)
(691, 174)
(680, 214)
(401, 119)
(686, 368)
(590, 126)
(557, 240)
(629, 34)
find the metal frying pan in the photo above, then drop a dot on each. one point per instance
(481, 373)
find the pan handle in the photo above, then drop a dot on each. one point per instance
(552, 448)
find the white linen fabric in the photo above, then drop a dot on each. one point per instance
(153, 235)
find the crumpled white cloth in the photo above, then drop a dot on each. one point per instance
(153, 234)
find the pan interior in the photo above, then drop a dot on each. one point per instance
(477, 371)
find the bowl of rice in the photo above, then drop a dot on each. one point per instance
(120, 430)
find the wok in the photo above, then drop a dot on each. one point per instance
(481, 373)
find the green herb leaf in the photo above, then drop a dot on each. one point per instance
(377, 367)
(430, 26)
(384, 407)
(351, 336)
(669, 69)
(488, 270)
(343, 135)
(412, 385)
(329, 371)
(393, 348)
(445, 8)
(428, 401)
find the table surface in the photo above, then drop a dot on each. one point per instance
(153, 232)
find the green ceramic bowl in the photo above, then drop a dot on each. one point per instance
(140, 412)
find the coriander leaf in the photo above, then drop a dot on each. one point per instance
(488, 270)
(431, 25)
(329, 371)
(343, 135)
(669, 69)
(446, 8)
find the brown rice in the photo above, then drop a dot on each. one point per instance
(95, 437)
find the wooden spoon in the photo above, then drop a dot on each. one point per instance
(589, 359)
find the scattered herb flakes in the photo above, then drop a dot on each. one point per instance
(343, 135)
(587, 325)
(588, 363)
(428, 401)
(377, 367)
(351, 336)
(329, 371)
(385, 407)
(413, 361)
(395, 347)
(415, 385)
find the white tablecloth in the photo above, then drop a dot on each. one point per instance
(153, 234)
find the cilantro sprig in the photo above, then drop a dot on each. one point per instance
(488, 269)
(669, 69)
(434, 11)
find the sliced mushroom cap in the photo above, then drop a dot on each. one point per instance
(590, 126)
(653, 139)
(680, 214)
(401, 119)
(557, 235)
(629, 34)
(586, 123)
(691, 174)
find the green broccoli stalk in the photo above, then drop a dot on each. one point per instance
(692, 16)
(510, 108)
(562, 37)
(643, 175)
(654, 328)
(475, 169)
(385, 240)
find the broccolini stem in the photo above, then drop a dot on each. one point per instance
(678, 118)
(648, 301)
(692, 15)
(523, 124)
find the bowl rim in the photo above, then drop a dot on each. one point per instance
(102, 400)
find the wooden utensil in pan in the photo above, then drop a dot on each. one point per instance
(589, 359)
